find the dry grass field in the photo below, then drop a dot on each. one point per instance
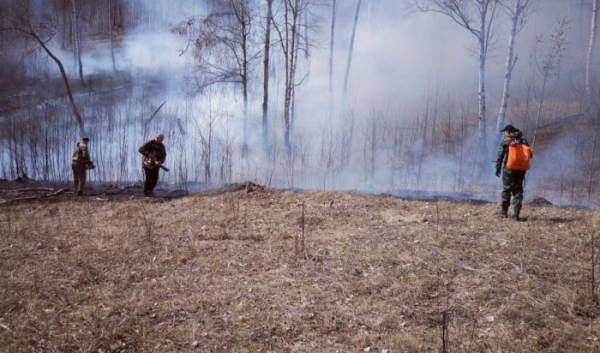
(247, 272)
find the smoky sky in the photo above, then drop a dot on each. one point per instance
(399, 57)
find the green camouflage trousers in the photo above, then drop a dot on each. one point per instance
(78, 176)
(512, 181)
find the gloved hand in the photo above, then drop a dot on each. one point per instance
(498, 170)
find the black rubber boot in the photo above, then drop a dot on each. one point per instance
(517, 213)
(504, 212)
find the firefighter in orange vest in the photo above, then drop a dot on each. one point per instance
(513, 176)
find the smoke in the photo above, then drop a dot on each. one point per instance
(409, 120)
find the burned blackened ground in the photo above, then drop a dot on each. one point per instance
(21, 191)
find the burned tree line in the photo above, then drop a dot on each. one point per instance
(243, 107)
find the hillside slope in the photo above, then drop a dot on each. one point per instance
(277, 271)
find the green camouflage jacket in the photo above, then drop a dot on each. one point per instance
(81, 154)
(153, 148)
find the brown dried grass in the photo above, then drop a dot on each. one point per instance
(217, 273)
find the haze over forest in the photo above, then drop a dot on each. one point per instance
(404, 109)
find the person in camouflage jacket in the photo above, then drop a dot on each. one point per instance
(79, 163)
(155, 154)
(512, 180)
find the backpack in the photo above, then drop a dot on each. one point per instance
(519, 156)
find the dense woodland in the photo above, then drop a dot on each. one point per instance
(301, 93)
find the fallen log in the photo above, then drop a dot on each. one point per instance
(26, 198)
(37, 197)
(60, 191)
(34, 189)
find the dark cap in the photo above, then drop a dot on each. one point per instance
(86, 139)
(508, 128)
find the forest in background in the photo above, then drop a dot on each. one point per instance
(370, 95)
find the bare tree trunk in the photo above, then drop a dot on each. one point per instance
(538, 113)
(266, 64)
(593, 154)
(424, 139)
(434, 140)
(350, 50)
(63, 74)
(331, 46)
(546, 67)
(77, 41)
(245, 33)
(511, 60)
(65, 30)
(306, 25)
(589, 77)
(287, 94)
(347, 128)
(289, 48)
(293, 81)
(110, 34)
(482, 106)
(207, 144)
(79, 50)
(464, 13)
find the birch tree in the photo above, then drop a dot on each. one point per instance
(589, 75)
(477, 17)
(110, 35)
(350, 50)
(76, 35)
(547, 65)
(266, 68)
(288, 31)
(518, 12)
(331, 47)
(224, 50)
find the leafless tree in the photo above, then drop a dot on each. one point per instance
(110, 35)
(42, 32)
(592, 155)
(477, 17)
(547, 67)
(288, 30)
(350, 51)
(224, 49)
(518, 10)
(266, 70)
(77, 43)
(589, 75)
(331, 47)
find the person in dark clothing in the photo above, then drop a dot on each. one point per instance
(80, 163)
(154, 153)
(512, 179)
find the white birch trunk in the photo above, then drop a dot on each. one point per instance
(77, 42)
(266, 64)
(510, 64)
(482, 106)
(245, 32)
(591, 96)
(350, 50)
(110, 34)
(331, 46)
(290, 67)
